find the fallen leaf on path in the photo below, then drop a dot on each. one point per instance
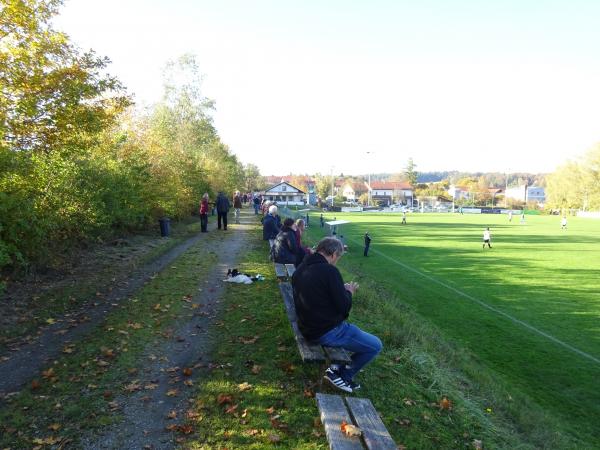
(246, 341)
(151, 386)
(48, 373)
(350, 430)
(187, 372)
(172, 393)
(172, 415)
(188, 382)
(445, 404)
(223, 398)
(244, 386)
(132, 387)
(231, 409)
(35, 384)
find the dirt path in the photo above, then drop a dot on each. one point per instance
(148, 413)
(18, 366)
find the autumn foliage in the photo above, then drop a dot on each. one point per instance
(76, 161)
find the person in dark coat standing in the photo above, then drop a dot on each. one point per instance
(323, 302)
(204, 213)
(223, 206)
(271, 227)
(367, 243)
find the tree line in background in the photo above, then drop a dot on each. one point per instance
(77, 162)
(576, 184)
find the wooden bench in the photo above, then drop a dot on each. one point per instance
(360, 412)
(284, 271)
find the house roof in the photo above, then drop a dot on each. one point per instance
(288, 178)
(392, 185)
(300, 191)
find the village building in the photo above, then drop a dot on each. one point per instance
(286, 194)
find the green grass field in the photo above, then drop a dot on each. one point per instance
(528, 309)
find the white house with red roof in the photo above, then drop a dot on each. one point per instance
(285, 193)
(390, 192)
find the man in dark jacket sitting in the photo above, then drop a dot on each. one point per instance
(323, 302)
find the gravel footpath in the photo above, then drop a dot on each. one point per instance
(24, 360)
(148, 413)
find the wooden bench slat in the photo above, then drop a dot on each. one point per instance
(337, 354)
(290, 269)
(308, 352)
(288, 299)
(280, 270)
(366, 418)
(333, 412)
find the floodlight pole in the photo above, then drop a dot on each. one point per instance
(505, 191)
(369, 175)
(332, 186)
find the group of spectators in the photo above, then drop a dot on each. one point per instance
(221, 206)
(321, 298)
(285, 239)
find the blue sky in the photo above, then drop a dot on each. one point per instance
(308, 86)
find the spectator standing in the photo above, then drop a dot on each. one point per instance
(245, 198)
(270, 226)
(323, 302)
(204, 213)
(322, 221)
(367, 243)
(403, 217)
(256, 202)
(237, 205)
(222, 204)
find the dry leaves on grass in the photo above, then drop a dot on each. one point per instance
(244, 386)
(246, 340)
(224, 398)
(445, 404)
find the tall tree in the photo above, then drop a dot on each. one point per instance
(411, 173)
(53, 96)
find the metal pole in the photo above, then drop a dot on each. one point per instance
(332, 186)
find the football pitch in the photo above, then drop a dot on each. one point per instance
(528, 308)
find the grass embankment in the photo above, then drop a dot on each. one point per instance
(260, 394)
(104, 266)
(77, 391)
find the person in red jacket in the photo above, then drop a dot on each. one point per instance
(204, 213)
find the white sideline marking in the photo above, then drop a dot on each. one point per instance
(491, 308)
